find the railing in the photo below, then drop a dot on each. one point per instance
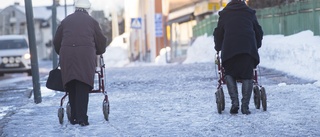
(285, 19)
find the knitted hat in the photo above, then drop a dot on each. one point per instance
(82, 4)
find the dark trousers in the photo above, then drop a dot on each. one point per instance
(78, 99)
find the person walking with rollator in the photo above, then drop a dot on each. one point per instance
(78, 41)
(238, 36)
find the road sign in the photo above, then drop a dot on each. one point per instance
(136, 23)
(159, 25)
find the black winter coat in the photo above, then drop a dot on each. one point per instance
(238, 32)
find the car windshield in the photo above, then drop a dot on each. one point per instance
(13, 44)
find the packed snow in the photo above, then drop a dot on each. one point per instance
(178, 99)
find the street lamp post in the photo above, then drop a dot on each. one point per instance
(54, 28)
(33, 51)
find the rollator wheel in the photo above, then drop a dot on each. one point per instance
(256, 97)
(60, 114)
(264, 98)
(68, 109)
(106, 109)
(220, 100)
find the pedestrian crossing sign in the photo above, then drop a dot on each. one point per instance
(136, 23)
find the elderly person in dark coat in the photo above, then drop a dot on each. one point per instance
(78, 41)
(238, 36)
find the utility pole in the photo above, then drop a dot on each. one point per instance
(65, 8)
(33, 51)
(54, 28)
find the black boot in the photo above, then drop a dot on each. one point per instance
(233, 92)
(84, 122)
(245, 110)
(247, 86)
(73, 122)
(234, 109)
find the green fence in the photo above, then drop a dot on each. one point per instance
(284, 19)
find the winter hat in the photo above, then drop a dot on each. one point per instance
(82, 4)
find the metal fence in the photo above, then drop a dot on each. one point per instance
(285, 19)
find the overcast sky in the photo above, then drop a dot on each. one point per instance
(105, 5)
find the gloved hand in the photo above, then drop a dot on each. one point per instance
(216, 61)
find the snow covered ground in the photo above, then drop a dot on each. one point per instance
(178, 99)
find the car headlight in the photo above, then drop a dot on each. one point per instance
(18, 59)
(11, 60)
(26, 56)
(5, 60)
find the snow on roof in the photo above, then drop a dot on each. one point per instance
(2, 37)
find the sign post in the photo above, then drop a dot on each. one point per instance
(159, 25)
(136, 23)
(159, 30)
(33, 52)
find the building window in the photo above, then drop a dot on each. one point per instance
(13, 14)
(22, 28)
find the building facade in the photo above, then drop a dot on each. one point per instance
(165, 23)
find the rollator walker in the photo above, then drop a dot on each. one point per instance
(100, 73)
(259, 92)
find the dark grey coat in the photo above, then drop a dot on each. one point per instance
(78, 40)
(238, 32)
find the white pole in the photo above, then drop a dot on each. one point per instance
(140, 46)
(115, 26)
(151, 32)
(140, 31)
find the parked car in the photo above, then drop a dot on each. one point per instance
(14, 55)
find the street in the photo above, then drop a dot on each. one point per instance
(170, 100)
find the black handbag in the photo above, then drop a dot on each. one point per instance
(54, 80)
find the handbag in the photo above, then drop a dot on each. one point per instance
(54, 80)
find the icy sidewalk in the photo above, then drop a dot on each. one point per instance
(173, 100)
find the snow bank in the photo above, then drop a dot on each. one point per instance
(164, 55)
(201, 50)
(116, 54)
(295, 54)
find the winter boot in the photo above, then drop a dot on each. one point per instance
(233, 92)
(84, 122)
(247, 86)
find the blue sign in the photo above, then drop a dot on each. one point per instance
(158, 25)
(136, 23)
